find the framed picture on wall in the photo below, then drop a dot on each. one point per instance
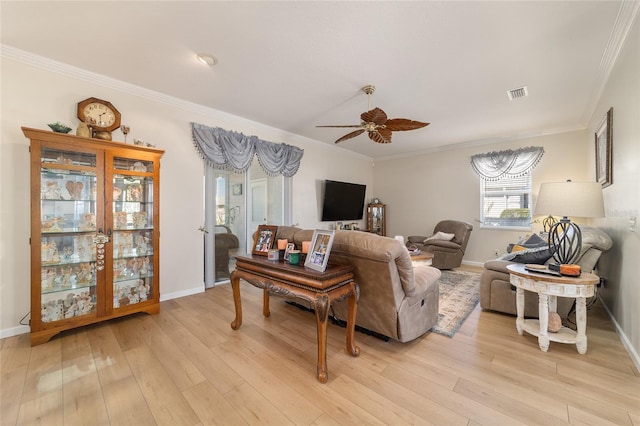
(263, 240)
(604, 144)
(236, 189)
(318, 255)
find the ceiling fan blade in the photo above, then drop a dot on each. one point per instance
(350, 135)
(376, 115)
(398, 124)
(380, 135)
(346, 125)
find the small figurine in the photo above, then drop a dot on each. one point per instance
(87, 222)
(139, 219)
(135, 192)
(141, 245)
(84, 274)
(120, 268)
(116, 193)
(48, 275)
(52, 190)
(65, 282)
(83, 130)
(120, 220)
(138, 167)
(52, 224)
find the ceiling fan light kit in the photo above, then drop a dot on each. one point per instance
(375, 122)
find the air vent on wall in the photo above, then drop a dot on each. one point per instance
(516, 93)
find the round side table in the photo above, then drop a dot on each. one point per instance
(549, 287)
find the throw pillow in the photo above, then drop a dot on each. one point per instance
(534, 241)
(440, 236)
(538, 255)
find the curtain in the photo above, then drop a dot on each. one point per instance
(498, 165)
(228, 150)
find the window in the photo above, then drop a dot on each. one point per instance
(506, 203)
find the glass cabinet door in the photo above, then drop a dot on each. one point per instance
(68, 188)
(133, 231)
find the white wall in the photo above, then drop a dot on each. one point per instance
(32, 95)
(621, 293)
(424, 189)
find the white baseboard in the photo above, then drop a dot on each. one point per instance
(623, 338)
(472, 263)
(22, 329)
(14, 331)
(182, 293)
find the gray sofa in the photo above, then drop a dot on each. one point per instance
(497, 293)
(397, 300)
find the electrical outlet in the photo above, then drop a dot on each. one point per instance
(632, 223)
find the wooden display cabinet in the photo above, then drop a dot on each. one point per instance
(94, 231)
(376, 219)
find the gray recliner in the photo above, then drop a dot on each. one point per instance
(497, 293)
(224, 241)
(447, 254)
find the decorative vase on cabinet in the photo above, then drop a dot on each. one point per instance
(376, 218)
(94, 231)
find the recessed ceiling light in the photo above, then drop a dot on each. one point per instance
(206, 59)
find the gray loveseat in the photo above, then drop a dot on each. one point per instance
(397, 300)
(497, 293)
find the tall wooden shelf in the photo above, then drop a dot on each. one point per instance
(94, 231)
(377, 218)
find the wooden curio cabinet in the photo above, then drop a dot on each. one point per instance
(94, 231)
(376, 219)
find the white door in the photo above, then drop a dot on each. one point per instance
(257, 208)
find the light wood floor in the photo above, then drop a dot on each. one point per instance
(186, 366)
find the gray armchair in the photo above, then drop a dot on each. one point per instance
(447, 253)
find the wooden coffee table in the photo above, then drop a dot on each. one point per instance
(320, 288)
(424, 258)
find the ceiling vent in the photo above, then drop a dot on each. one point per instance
(516, 93)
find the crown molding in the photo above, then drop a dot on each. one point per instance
(248, 126)
(627, 14)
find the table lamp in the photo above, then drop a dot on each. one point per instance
(576, 199)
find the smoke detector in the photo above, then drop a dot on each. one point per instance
(518, 92)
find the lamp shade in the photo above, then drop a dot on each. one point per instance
(575, 199)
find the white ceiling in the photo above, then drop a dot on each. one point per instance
(295, 65)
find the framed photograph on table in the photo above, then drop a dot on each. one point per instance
(318, 255)
(290, 246)
(263, 240)
(604, 143)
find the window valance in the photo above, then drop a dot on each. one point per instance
(497, 165)
(228, 150)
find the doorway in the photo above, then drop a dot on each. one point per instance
(235, 204)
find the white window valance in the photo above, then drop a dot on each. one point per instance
(502, 164)
(228, 150)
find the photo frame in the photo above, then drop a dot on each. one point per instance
(263, 240)
(236, 189)
(604, 144)
(318, 256)
(290, 246)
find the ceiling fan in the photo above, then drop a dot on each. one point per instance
(376, 123)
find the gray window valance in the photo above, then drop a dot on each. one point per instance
(228, 150)
(498, 165)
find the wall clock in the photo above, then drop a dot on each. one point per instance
(101, 116)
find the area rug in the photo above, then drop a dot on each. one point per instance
(459, 295)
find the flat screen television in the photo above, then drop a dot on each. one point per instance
(343, 201)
